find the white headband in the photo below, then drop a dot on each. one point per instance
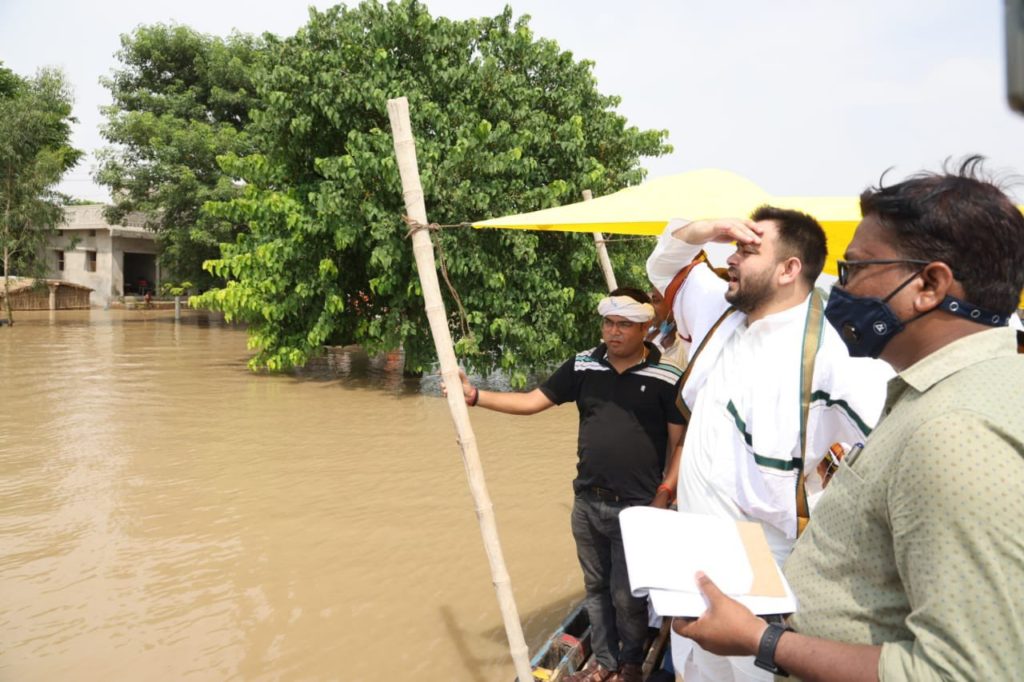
(627, 307)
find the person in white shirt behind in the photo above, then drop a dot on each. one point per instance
(662, 332)
(747, 441)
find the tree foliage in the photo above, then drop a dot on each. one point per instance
(35, 152)
(505, 123)
(180, 99)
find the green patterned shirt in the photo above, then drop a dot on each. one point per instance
(918, 544)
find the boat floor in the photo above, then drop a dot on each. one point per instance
(568, 650)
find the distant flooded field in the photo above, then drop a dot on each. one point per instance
(166, 514)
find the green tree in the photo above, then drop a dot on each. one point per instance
(35, 152)
(180, 99)
(505, 122)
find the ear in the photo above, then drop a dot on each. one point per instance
(936, 282)
(790, 270)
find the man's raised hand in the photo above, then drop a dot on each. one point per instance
(720, 231)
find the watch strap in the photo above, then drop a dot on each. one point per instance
(766, 650)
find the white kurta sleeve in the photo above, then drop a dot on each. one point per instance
(701, 300)
(669, 256)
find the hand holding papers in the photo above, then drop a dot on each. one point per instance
(665, 549)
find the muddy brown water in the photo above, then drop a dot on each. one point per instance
(166, 514)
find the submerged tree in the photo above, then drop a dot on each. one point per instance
(505, 123)
(180, 99)
(35, 152)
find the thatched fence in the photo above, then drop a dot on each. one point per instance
(46, 294)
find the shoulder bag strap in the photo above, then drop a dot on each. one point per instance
(812, 342)
(680, 403)
(673, 287)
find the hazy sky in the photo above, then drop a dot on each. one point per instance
(815, 97)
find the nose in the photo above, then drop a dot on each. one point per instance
(733, 260)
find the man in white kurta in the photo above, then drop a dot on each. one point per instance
(742, 453)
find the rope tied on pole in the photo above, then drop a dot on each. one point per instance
(414, 227)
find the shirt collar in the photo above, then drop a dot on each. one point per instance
(782, 318)
(600, 353)
(653, 354)
(958, 355)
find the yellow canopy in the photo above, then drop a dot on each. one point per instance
(709, 193)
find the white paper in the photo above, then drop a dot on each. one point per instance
(692, 604)
(665, 549)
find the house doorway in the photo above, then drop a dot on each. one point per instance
(139, 273)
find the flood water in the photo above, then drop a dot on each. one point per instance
(166, 514)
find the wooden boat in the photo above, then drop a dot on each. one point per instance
(568, 649)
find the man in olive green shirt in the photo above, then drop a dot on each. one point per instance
(912, 567)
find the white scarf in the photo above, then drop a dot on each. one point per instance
(627, 307)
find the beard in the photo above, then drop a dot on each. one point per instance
(753, 291)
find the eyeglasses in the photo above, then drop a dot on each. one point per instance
(621, 325)
(848, 267)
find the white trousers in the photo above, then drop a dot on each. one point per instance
(697, 665)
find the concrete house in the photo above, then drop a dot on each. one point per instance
(112, 260)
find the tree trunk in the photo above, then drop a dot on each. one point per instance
(6, 234)
(7, 286)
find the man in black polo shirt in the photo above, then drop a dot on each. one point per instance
(629, 429)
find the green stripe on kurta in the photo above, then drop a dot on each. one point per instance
(780, 464)
(740, 424)
(842, 404)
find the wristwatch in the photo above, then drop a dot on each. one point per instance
(766, 650)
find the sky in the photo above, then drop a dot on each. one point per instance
(803, 98)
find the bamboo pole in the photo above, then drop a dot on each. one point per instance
(602, 252)
(423, 250)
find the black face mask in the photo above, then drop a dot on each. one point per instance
(866, 323)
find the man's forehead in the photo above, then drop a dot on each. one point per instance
(769, 231)
(870, 240)
(769, 235)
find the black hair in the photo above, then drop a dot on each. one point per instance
(962, 218)
(800, 235)
(633, 293)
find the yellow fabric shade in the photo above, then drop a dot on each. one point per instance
(644, 209)
(709, 193)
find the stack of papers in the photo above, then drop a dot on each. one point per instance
(665, 549)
